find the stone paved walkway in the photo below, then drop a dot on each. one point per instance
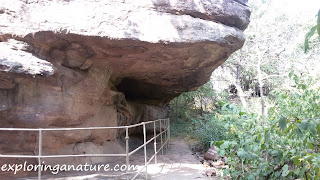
(177, 164)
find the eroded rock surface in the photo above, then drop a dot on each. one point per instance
(105, 63)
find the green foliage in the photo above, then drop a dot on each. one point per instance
(311, 33)
(205, 129)
(192, 104)
(285, 147)
(299, 104)
(308, 36)
(318, 22)
(208, 130)
(208, 127)
(179, 127)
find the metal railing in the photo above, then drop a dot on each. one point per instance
(164, 135)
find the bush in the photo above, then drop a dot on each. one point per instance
(287, 146)
(208, 130)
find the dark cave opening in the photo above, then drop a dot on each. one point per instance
(141, 91)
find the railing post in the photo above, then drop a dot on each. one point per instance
(145, 148)
(127, 151)
(39, 154)
(161, 137)
(165, 135)
(155, 142)
(169, 129)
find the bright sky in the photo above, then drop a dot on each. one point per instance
(294, 6)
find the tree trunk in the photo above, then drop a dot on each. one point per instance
(239, 89)
(260, 80)
(201, 106)
(177, 107)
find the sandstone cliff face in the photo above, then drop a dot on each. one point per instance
(68, 63)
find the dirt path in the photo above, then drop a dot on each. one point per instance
(178, 163)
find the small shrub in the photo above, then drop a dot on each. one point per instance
(209, 129)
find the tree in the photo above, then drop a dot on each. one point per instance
(272, 49)
(194, 102)
(311, 33)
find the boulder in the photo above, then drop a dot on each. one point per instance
(212, 154)
(105, 63)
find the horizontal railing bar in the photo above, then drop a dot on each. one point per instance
(139, 172)
(69, 129)
(151, 158)
(157, 136)
(63, 156)
(133, 125)
(163, 132)
(134, 177)
(57, 129)
(144, 166)
(93, 155)
(138, 148)
(84, 155)
(148, 122)
(19, 156)
(162, 146)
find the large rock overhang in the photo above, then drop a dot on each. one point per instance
(154, 50)
(69, 63)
